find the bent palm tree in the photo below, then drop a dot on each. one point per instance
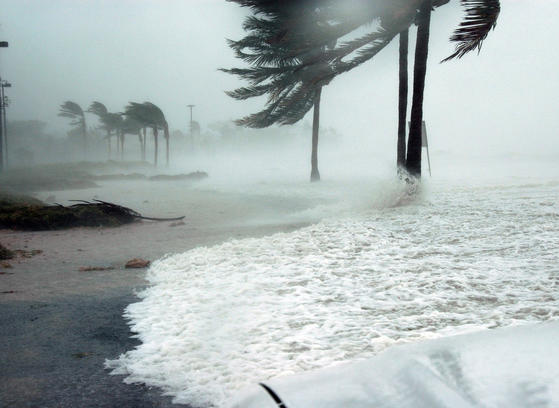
(402, 99)
(73, 111)
(149, 115)
(109, 121)
(299, 78)
(413, 159)
(270, 55)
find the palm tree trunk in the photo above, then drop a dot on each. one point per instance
(117, 145)
(141, 142)
(166, 134)
(144, 146)
(84, 130)
(122, 146)
(109, 142)
(315, 175)
(155, 141)
(403, 99)
(413, 162)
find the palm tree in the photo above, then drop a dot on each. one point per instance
(73, 111)
(481, 17)
(270, 56)
(413, 159)
(315, 174)
(299, 78)
(109, 121)
(149, 115)
(402, 99)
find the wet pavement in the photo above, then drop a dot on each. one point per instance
(53, 354)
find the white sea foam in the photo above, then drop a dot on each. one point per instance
(458, 259)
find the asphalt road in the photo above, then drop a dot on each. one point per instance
(52, 354)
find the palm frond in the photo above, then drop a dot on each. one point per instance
(73, 111)
(481, 18)
(97, 108)
(70, 109)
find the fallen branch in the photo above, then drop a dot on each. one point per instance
(83, 213)
(138, 215)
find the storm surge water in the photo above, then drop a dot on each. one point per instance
(459, 257)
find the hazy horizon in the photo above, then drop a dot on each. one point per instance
(169, 52)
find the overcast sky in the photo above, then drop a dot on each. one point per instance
(168, 52)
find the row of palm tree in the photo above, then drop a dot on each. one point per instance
(294, 49)
(135, 119)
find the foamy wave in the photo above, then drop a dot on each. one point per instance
(216, 319)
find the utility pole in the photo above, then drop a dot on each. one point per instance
(4, 104)
(191, 106)
(3, 44)
(1, 130)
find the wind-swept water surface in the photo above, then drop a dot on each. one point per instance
(462, 256)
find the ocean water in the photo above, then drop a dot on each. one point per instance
(382, 267)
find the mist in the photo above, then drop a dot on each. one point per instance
(495, 103)
(244, 270)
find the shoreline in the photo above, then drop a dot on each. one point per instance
(61, 324)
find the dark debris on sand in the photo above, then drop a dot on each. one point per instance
(82, 214)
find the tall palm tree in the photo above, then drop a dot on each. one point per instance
(296, 78)
(74, 111)
(481, 18)
(402, 99)
(107, 121)
(315, 174)
(150, 115)
(270, 54)
(413, 159)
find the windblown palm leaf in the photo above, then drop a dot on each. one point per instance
(481, 18)
(109, 121)
(295, 47)
(97, 108)
(73, 111)
(281, 48)
(146, 114)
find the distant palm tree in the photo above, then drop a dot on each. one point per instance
(107, 121)
(73, 111)
(149, 115)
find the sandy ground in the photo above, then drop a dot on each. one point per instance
(58, 324)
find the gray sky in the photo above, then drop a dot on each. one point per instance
(168, 52)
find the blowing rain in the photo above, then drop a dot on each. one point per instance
(262, 204)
